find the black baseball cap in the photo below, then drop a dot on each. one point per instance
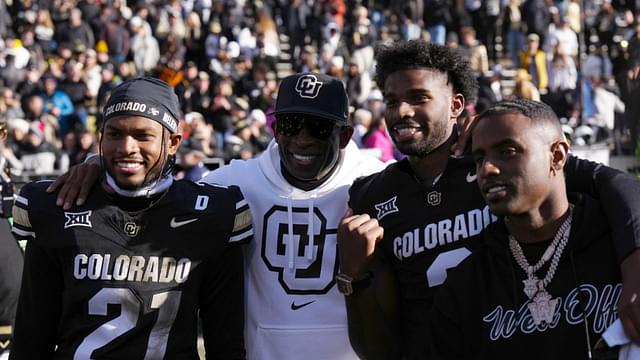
(313, 94)
(148, 97)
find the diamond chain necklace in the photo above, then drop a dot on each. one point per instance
(542, 307)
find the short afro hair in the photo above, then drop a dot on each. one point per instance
(539, 112)
(418, 54)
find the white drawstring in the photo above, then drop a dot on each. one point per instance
(311, 246)
(290, 243)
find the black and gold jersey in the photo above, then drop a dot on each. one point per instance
(100, 282)
(427, 230)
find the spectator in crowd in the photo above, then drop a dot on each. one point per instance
(598, 63)
(362, 120)
(437, 17)
(606, 104)
(10, 107)
(378, 138)
(36, 154)
(75, 32)
(534, 60)
(605, 22)
(476, 50)
(237, 144)
(562, 33)
(57, 103)
(10, 74)
(203, 133)
(144, 47)
(45, 29)
(261, 135)
(524, 87)
(512, 29)
(114, 34)
(78, 91)
(191, 162)
(536, 14)
(359, 83)
(563, 80)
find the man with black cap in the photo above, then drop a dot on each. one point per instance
(297, 191)
(126, 274)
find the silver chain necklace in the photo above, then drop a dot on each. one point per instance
(542, 307)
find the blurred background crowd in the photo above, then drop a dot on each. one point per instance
(59, 60)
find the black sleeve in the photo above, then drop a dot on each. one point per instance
(222, 306)
(11, 263)
(373, 315)
(619, 194)
(39, 306)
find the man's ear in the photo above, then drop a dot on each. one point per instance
(174, 143)
(559, 154)
(345, 136)
(457, 105)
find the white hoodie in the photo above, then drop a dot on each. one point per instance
(294, 310)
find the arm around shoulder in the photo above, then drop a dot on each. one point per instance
(619, 194)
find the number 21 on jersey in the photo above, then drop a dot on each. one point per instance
(165, 303)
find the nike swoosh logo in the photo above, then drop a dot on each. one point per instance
(294, 306)
(471, 178)
(176, 224)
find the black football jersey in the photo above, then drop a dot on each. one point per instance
(103, 283)
(427, 230)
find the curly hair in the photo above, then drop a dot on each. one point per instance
(418, 54)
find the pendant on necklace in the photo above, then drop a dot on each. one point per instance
(542, 307)
(531, 285)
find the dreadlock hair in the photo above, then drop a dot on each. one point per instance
(418, 54)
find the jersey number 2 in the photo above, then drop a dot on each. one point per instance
(166, 303)
(437, 272)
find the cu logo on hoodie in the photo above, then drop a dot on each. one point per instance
(298, 246)
(308, 86)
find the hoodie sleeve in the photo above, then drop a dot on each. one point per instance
(619, 194)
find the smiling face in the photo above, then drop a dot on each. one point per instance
(421, 110)
(309, 152)
(517, 163)
(135, 150)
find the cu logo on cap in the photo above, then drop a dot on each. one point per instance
(308, 86)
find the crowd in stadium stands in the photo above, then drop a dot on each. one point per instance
(59, 60)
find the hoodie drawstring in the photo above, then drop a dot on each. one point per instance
(309, 251)
(290, 242)
(310, 232)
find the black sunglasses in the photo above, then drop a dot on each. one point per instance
(291, 124)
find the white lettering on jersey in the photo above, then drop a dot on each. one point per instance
(202, 201)
(131, 268)
(445, 231)
(77, 219)
(386, 207)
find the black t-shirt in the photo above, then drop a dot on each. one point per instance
(101, 282)
(482, 312)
